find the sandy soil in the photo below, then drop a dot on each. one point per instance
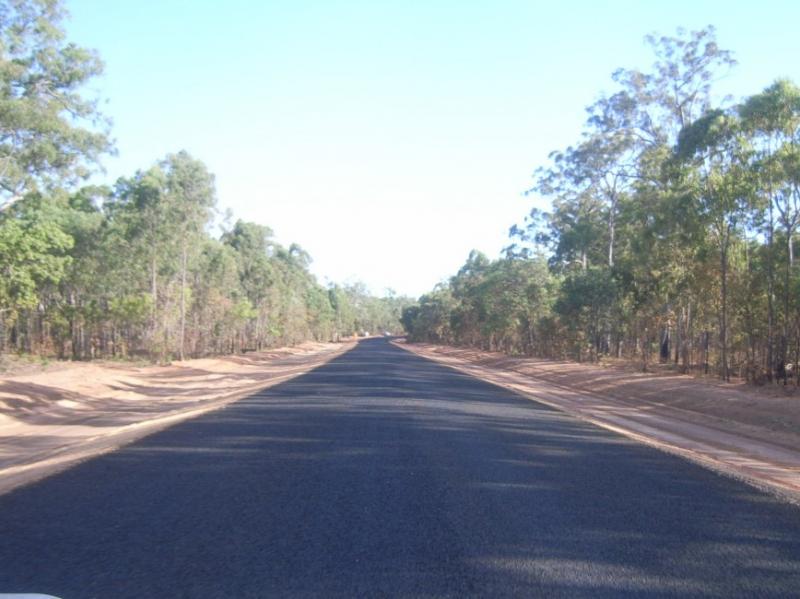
(52, 418)
(744, 431)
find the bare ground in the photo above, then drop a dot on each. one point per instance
(54, 416)
(751, 433)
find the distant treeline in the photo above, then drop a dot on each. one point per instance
(669, 237)
(132, 269)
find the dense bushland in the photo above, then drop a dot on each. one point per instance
(669, 235)
(133, 268)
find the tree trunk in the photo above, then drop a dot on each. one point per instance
(73, 329)
(723, 322)
(183, 303)
(154, 298)
(612, 229)
(645, 349)
(785, 335)
(687, 338)
(165, 332)
(664, 351)
(770, 293)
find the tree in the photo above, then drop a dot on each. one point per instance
(715, 150)
(654, 106)
(254, 246)
(191, 197)
(162, 213)
(94, 277)
(139, 210)
(662, 225)
(51, 134)
(584, 302)
(430, 320)
(772, 119)
(33, 252)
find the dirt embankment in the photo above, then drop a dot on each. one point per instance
(775, 412)
(50, 419)
(748, 432)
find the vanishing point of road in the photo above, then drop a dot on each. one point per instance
(384, 474)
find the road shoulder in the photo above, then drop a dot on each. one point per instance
(54, 420)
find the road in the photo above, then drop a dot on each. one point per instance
(384, 474)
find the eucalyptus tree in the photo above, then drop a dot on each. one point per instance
(584, 303)
(388, 310)
(343, 312)
(293, 283)
(431, 319)
(190, 195)
(51, 134)
(718, 178)
(34, 252)
(655, 105)
(665, 216)
(218, 299)
(626, 144)
(140, 211)
(648, 111)
(573, 228)
(254, 246)
(516, 295)
(163, 212)
(321, 316)
(772, 118)
(89, 282)
(586, 184)
(469, 314)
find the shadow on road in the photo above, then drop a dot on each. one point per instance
(384, 474)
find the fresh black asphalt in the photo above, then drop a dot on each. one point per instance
(385, 474)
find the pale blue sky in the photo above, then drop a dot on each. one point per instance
(387, 138)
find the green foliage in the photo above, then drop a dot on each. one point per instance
(132, 270)
(504, 304)
(33, 254)
(431, 319)
(129, 310)
(585, 303)
(671, 229)
(51, 134)
(99, 271)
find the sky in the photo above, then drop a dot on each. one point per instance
(387, 138)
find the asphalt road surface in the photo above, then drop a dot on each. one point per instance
(384, 474)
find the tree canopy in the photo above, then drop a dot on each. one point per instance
(670, 234)
(132, 268)
(51, 133)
